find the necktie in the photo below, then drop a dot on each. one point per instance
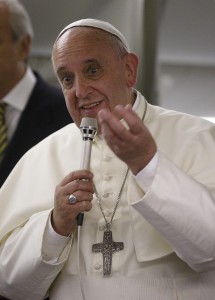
(3, 130)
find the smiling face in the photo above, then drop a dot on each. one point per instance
(91, 72)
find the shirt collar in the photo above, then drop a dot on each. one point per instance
(137, 101)
(18, 96)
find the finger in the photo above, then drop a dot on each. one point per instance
(133, 121)
(77, 175)
(81, 207)
(81, 196)
(78, 186)
(112, 128)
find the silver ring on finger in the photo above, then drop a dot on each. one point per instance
(72, 199)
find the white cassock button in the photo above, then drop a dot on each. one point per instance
(106, 194)
(102, 227)
(107, 177)
(107, 213)
(97, 266)
(107, 158)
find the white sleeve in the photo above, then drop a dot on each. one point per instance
(53, 243)
(183, 211)
(25, 269)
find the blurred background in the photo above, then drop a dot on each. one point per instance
(174, 39)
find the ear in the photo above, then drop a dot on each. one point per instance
(131, 65)
(24, 47)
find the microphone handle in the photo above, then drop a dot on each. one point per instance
(86, 154)
(85, 164)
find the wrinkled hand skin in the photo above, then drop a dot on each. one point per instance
(133, 145)
(64, 214)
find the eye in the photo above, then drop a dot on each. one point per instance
(92, 70)
(67, 80)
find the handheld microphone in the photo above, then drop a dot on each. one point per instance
(88, 129)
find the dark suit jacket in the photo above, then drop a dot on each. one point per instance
(45, 113)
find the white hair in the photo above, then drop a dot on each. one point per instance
(20, 21)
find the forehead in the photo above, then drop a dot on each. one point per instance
(4, 15)
(78, 42)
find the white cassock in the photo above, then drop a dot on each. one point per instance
(168, 231)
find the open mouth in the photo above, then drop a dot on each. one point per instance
(90, 105)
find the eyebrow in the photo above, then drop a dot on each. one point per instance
(90, 60)
(60, 69)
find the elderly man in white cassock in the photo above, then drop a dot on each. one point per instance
(147, 197)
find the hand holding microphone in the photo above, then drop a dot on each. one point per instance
(75, 187)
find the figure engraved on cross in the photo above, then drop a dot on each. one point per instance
(107, 248)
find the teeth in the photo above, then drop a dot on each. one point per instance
(91, 105)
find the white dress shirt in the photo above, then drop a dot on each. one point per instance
(17, 99)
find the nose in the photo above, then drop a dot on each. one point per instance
(81, 87)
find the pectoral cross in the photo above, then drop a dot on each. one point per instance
(107, 248)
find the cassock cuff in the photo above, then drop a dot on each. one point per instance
(145, 176)
(53, 243)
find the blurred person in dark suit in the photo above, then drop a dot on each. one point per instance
(34, 109)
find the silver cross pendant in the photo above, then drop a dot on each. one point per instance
(107, 248)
